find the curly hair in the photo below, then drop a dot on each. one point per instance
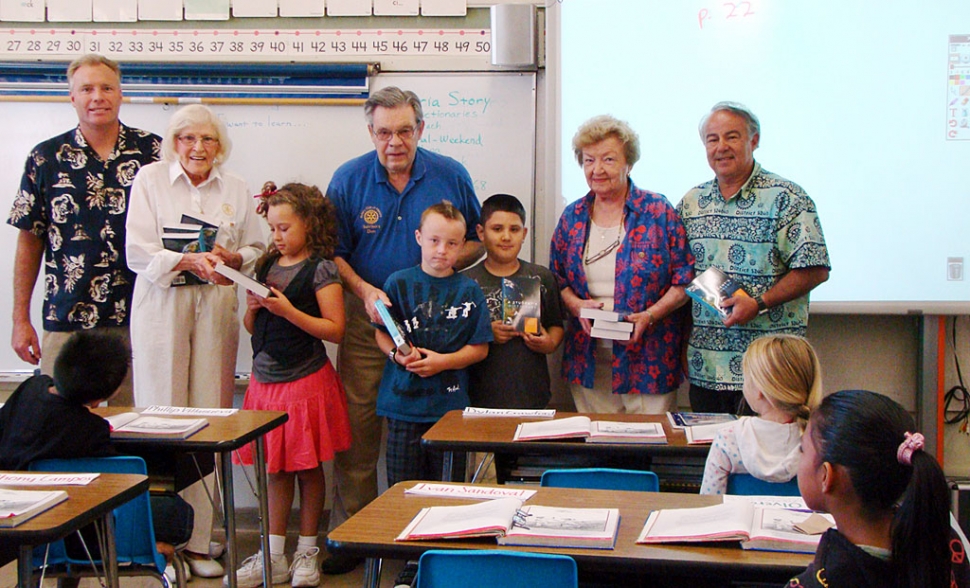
(316, 210)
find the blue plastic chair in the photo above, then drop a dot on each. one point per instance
(601, 479)
(134, 533)
(440, 568)
(748, 485)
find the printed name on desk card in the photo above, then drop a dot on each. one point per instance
(27, 479)
(189, 411)
(509, 412)
(787, 502)
(483, 492)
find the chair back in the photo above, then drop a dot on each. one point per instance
(748, 485)
(488, 568)
(134, 532)
(601, 479)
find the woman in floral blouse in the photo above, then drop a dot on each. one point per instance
(624, 249)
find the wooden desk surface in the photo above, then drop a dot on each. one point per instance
(223, 433)
(455, 432)
(83, 505)
(371, 533)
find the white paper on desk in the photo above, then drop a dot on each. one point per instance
(474, 491)
(22, 10)
(444, 7)
(159, 9)
(348, 7)
(206, 9)
(69, 10)
(115, 10)
(189, 411)
(472, 411)
(29, 479)
(395, 7)
(259, 8)
(301, 7)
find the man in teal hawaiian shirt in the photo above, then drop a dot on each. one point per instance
(763, 231)
(70, 211)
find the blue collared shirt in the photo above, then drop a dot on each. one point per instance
(376, 223)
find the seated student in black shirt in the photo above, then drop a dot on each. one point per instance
(49, 418)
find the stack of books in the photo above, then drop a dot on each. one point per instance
(607, 324)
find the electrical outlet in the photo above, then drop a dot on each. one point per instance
(954, 269)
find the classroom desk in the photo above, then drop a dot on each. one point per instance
(84, 505)
(455, 432)
(370, 533)
(222, 436)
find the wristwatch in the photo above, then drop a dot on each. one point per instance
(762, 307)
(391, 355)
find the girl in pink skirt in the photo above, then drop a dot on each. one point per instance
(291, 371)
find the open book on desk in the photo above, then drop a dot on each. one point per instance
(17, 506)
(131, 425)
(700, 427)
(765, 529)
(581, 427)
(514, 524)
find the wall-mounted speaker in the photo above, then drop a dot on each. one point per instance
(513, 34)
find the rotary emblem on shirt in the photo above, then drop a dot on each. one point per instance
(371, 216)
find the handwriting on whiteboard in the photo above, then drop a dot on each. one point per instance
(726, 12)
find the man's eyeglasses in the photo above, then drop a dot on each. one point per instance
(405, 134)
(191, 140)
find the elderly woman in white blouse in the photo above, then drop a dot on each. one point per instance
(185, 331)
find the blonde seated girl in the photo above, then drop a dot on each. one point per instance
(782, 383)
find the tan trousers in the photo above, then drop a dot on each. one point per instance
(360, 363)
(600, 398)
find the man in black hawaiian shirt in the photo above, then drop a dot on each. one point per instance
(71, 210)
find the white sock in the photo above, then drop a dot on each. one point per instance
(306, 543)
(277, 544)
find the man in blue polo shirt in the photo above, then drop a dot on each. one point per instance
(379, 198)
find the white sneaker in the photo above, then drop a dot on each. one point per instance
(170, 573)
(304, 570)
(250, 573)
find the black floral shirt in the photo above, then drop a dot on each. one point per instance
(77, 203)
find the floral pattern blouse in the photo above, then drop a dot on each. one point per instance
(652, 257)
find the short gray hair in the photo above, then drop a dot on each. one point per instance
(190, 116)
(754, 125)
(393, 97)
(91, 59)
(603, 127)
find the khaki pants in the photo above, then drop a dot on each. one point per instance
(360, 363)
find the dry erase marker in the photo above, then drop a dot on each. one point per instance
(393, 329)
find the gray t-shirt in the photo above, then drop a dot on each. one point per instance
(514, 376)
(266, 369)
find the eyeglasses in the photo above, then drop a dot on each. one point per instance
(405, 134)
(191, 140)
(590, 259)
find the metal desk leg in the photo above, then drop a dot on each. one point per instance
(25, 566)
(448, 459)
(111, 561)
(372, 572)
(229, 511)
(261, 485)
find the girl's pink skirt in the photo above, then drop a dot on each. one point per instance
(317, 426)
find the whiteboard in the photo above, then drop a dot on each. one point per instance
(484, 120)
(865, 105)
